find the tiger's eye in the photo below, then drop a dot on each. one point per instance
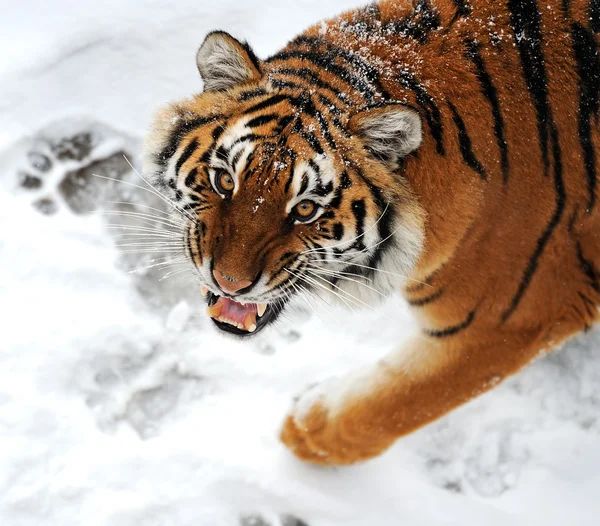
(305, 210)
(225, 182)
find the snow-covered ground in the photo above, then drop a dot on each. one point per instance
(121, 406)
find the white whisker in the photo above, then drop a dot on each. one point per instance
(316, 274)
(146, 217)
(340, 261)
(159, 194)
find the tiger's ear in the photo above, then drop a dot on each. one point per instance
(224, 62)
(390, 132)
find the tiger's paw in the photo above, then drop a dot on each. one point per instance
(327, 434)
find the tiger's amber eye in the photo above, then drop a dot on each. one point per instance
(305, 210)
(225, 182)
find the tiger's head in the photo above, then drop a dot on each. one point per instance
(285, 188)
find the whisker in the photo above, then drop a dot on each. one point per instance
(338, 273)
(315, 282)
(147, 238)
(173, 273)
(159, 194)
(304, 297)
(140, 228)
(376, 270)
(155, 265)
(316, 297)
(316, 274)
(150, 190)
(151, 251)
(130, 203)
(156, 219)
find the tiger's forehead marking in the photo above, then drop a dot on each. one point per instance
(314, 179)
(255, 144)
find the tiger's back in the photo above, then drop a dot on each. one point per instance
(508, 172)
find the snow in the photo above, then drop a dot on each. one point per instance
(121, 406)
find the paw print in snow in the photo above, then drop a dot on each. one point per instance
(57, 167)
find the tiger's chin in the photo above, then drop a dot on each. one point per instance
(241, 319)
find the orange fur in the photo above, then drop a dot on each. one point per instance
(506, 188)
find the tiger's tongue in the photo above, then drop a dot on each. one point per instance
(242, 316)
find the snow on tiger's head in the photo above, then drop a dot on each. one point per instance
(283, 188)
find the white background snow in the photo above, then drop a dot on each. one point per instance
(121, 406)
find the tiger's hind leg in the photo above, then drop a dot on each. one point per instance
(358, 416)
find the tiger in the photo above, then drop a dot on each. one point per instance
(446, 150)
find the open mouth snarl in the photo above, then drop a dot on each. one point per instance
(241, 319)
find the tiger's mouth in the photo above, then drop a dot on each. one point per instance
(241, 319)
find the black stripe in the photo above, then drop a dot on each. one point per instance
(429, 107)
(427, 300)
(224, 153)
(338, 231)
(252, 56)
(313, 142)
(190, 180)
(385, 213)
(566, 7)
(525, 21)
(419, 24)
(187, 153)
(330, 105)
(561, 199)
(356, 62)
(311, 77)
(267, 103)
(325, 62)
(588, 268)
(594, 14)
(451, 331)
(325, 131)
(463, 8)
(465, 144)
(252, 94)
(303, 184)
(178, 134)
(490, 93)
(261, 120)
(288, 183)
(285, 121)
(588, 68)
(360, 212)
(236, 159)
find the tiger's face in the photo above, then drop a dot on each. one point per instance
(279, 196)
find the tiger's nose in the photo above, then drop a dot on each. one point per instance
(228, 284)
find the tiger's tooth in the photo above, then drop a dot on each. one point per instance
(261, 308)
(215, 310)
(204, 291)
(250, 321)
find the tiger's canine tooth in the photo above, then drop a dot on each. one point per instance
(252, 328)
(261, 308)
(204, 291)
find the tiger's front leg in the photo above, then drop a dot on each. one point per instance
(358, 416)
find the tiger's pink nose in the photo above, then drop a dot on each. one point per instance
(228, 284)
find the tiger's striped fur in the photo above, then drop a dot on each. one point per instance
(452, 141)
